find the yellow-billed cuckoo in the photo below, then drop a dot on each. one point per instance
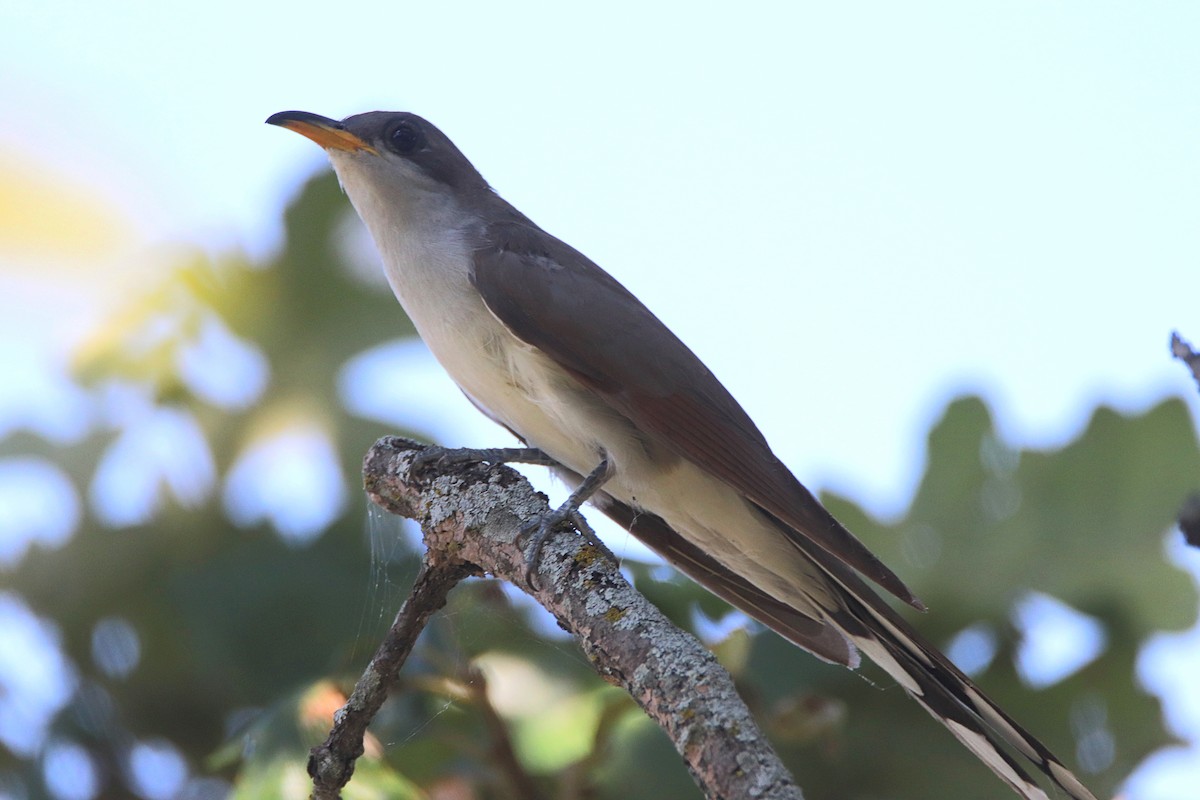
(550, 346)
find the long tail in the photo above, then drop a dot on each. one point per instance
(946, 693)
(940, 687)
(865, 623)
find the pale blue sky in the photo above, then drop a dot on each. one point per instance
(906, 202)
(851, 211)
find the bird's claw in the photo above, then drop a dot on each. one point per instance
(438, 456)
(432, 456)
(540, 529)
(543, 526)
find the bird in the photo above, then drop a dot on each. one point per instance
(550, 346)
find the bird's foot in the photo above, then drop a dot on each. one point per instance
(437, 456)
(542, 527)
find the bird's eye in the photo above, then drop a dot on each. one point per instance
(405, 138)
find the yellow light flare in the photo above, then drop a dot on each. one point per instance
(46, 219)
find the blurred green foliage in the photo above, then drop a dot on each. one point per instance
(248, 640)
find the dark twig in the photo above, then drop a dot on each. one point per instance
(331, 763)
(1189, 519)
(1182, 349)
(1189, 515)
(471, 516)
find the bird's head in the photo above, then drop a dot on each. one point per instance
(391, 154)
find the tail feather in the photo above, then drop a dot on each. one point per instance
(819, 638)
(938, 696)
(941, 688)
(863, 622)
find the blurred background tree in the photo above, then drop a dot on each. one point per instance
(190, 630)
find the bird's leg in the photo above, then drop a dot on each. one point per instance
(435, 455)
(543, 526)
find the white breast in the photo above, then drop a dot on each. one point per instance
(423, 237)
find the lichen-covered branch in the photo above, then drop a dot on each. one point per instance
(471, 516)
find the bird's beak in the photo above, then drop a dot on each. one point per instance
(328, 133)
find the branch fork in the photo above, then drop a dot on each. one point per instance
(471, 516)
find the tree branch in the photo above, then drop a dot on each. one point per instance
(471, 516)
(1189, 516)
(331, 763)
(1182, 349)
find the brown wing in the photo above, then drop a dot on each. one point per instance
(816, 637)
(554, 298)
